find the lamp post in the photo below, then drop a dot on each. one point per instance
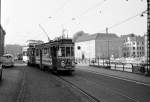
(108, 47)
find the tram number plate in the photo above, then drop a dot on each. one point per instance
(68, 67)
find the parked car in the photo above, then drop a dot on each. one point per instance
(7, 60)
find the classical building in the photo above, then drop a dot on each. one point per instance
(99, 45)
(133, 46)
(2, 39)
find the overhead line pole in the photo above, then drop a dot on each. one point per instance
(148, 35)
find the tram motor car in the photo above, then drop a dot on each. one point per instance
(57, 55)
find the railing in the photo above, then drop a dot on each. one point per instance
(119, 66)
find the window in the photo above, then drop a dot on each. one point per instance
(143, 53)
(133, 48)
(72, 51)
(37, 52)
(45, 51)
(59, 52)
(68, 51)
(63, 51)
(78, 47)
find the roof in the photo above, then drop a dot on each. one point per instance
(137, 38)
(96, 36)
(8, 55)
(132, 37)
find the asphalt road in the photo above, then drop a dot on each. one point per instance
(10, 84)
(28, 84)
(108, 89)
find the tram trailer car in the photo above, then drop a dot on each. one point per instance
(55, 55)
(31, 56)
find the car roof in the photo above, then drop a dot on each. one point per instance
(8, 55)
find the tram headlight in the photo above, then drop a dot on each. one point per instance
(62, 63)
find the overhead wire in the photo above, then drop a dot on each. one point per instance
(86, 11)
(56, 12)
(126, 20)
(62, 6)
(91, 8)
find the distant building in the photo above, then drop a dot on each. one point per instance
(100, 45)
(133, 46)
(2, 40)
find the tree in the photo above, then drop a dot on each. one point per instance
(78, 34)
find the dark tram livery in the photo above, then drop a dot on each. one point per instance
(57, 55)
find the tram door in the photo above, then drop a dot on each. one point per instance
(41, 65)
(54, 57)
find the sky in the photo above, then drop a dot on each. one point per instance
(21, 18)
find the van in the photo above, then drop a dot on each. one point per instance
(7, 60)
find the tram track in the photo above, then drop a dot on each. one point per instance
(92, 97)
(69, 84)
(21, 94)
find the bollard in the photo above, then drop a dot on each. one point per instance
(123, 66)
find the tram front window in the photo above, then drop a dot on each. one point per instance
(65, 52)
(72, 51)
(61, 52)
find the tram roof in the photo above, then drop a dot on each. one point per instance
(57, 42)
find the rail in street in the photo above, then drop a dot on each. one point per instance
(82, 86)
(91, 97)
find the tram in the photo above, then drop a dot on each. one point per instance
(57, 55)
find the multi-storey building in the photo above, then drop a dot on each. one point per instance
(133, 46)
(2, 39)
(100, 45)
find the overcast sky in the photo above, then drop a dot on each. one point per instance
(21, 18)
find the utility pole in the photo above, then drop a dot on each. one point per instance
(148, 36)
(108, 47)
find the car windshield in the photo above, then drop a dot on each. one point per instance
(7, 56)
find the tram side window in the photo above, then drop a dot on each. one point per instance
(49, 52)
(37, 52)
(32, 53)
(68, 51)
(45, 50)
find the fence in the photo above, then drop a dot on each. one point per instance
(120, 66)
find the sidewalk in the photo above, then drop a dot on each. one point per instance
(124, 75)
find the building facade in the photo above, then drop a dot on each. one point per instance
(133, 46)
(99, 45)
(2, 40)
